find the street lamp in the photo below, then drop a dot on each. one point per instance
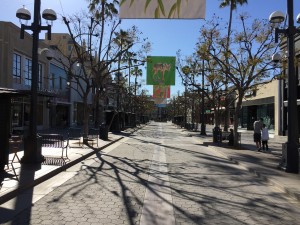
(32, 149)
(292, 145)
(203, 129)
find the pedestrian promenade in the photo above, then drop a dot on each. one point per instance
(265, 165)
(19, 177)
(262, 164)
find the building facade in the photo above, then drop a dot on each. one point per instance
(261, 102)
(59, 102)
(270, 101)
(15, 73)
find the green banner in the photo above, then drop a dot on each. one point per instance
(161, 70)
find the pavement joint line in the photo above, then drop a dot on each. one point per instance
(259, 174)
(165, 212)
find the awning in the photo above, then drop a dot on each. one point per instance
(7, 91)
(262, 101)
(17, 92)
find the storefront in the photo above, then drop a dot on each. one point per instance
(261, 108)
(261, 102)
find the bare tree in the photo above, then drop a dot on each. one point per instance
(97, 53)
(249, 57)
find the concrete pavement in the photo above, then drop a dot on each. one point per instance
(20, 177)
(262, 164)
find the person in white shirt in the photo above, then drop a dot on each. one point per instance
(265, 137)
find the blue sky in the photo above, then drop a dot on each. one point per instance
(166, 36)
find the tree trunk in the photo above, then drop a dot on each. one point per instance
(86, 113)
(236, 121)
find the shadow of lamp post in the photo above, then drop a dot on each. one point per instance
(32, 147)
(292, 145)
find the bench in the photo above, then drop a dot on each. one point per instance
(75, 134)
(225, 136)
(15, 141)
(55, 141)
(93, 135)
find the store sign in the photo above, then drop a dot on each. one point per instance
(250, 93)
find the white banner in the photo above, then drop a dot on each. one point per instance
(162, 9)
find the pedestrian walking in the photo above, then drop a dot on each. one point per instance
(258, 125)
(265, 137)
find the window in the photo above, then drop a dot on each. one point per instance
(17, 68)
(59, 78)
(27, 72)
(51, 81)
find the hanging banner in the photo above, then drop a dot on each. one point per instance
(161, 91)
(160, 101)
(161, 70)
(171, 9)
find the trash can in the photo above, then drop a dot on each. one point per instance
(217, 134)
(32, 150)
(103, 132)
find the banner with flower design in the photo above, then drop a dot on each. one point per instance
(159, 9)
(161, 70)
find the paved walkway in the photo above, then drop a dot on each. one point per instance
(19, 177)
(262, 164)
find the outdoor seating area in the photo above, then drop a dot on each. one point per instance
(75, 134)
(220, 136)
(55, 141)
(93, 136)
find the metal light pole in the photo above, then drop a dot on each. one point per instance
(129, 90)
(185, 104)
(203, 129)
(32, 147)
(117, 128)
(292, 154)
(186, 72)
(193, 102)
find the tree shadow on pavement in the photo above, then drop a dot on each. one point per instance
(205, 188)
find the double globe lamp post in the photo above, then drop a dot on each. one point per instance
(32, 145)
(292, 145)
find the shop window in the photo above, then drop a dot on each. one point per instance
(17, 68)
(27, 72)
(17, 113)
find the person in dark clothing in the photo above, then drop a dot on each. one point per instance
(231, 138)
(258, 125)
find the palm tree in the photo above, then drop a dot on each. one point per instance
(233, 5)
